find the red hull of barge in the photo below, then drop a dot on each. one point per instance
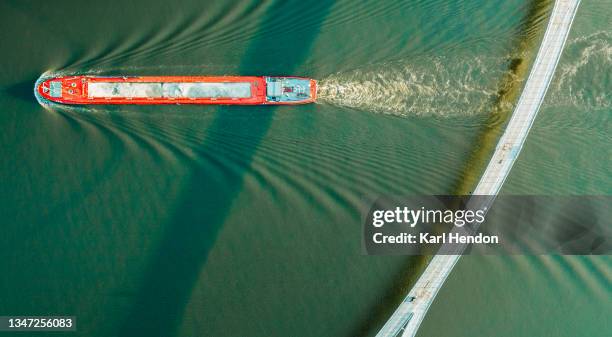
(238, 90)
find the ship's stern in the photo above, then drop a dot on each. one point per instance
(290, 90)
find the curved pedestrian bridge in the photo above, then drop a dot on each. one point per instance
(407, 318)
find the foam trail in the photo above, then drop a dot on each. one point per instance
(441, 86)
(582, 80)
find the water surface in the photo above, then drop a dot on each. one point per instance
(245, 221)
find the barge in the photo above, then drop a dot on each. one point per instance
(242, 90)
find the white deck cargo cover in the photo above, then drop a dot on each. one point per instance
(170, 90)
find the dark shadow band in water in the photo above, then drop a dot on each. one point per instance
(23, 90)
(173, 271)
(509, 89)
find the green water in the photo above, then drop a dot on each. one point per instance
(245, 221)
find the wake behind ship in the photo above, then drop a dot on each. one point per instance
(242, 90)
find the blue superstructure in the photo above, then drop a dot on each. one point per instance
(288, 89)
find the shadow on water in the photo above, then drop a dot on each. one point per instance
(183, 250)
(397, 288)
(23, 90)
(509, 89)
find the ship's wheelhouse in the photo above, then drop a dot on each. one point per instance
(287, 89)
